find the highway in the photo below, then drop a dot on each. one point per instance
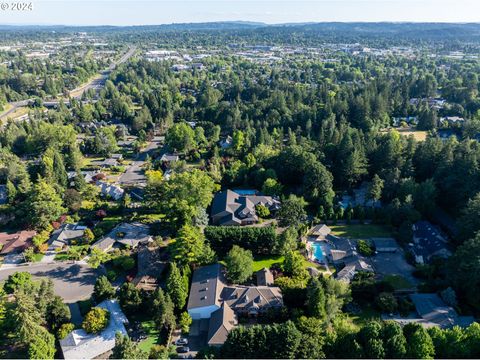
(96, 83)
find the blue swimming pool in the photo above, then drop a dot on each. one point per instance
(317, 252)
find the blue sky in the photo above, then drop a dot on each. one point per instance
(147, 12)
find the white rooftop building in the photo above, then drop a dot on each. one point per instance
(81, 345)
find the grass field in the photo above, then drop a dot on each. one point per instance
(419, 135)
(397, 282)
(261, 262)
(152, 335)
(360, 231)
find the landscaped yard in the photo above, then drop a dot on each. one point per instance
(397, 282)
(266, 262)
(152, 335)
(361, 231)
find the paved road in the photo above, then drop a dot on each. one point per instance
(72, 282)
(134, 174)
(96, 83)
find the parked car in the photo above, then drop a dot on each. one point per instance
(183, 349)
(181, 341)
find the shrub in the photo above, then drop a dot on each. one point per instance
(261, 241)
(262, 211)
(386, 302)
(364, 248)
(64, 330)
(96, 320)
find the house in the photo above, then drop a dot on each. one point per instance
(16, 242)
(204, 299)
(149, 268)
(3, 194)
(319, 232)
(385, 245)
(433, 311)
(110, 190)
(169, 158)
(232, 208)
(226, 142)
(345, 254)
(211, 298)
(125, 234)
(451, 120)
(359, 198)
(81, 345)
(264, 277)
(65, 234)
(428, 242)
(222, 321)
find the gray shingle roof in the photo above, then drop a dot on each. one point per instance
(221, 323)
(207, 284)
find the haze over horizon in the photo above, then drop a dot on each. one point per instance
(158, 12)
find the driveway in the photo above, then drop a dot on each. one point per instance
(394, 264)
(134, 175)
(73, 282)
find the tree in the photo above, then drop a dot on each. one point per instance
(293, 265)
(58, 313)
(318, 185)
(386, 302)
(181, 197)
(184, 322)
(468, 223)
(17, 280)
(96, 320)
(271, 187)
(316, 299)
(419, 343)
(190, 247)
(44, 205)
(239, 264)
(262, 211)
(103, 289)
(177, 287)
(130, 298)
(88, 236)
(180, 137)
(287, 241)
(29, 254)
(126, 348)
(97, 257)
(42, 345)
(464, 271)
(394, 341)
(64, 330)
(375, 188)
(163, 310)
(370, 337)
(292, 212)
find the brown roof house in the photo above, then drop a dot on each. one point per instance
(16, 242)
(211, 298)
(231, 208)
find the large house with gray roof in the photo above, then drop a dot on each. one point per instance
(125, 234)
(428, 242)
(231, 208)
(212, 298)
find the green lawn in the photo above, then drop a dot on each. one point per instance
(152, 335)
(397, 282)
(38, 257)
(367, 314)
(359, 231)
(261, 262)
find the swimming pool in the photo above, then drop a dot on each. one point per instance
(317, 252)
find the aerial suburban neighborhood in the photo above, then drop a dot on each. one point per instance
(240, 190)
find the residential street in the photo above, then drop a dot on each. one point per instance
(134, 174)
(72, 282)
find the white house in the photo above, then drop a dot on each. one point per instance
(81, 345)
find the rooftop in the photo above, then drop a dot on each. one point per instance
(81, 345)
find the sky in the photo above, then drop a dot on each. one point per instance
(153, 12)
